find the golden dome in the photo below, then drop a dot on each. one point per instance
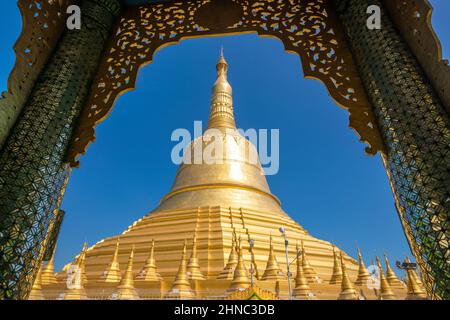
(232, 175)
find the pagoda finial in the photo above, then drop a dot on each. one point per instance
(48, 272)
(149, 271)
(240, 276)
(391, 276)
(228, 270)
(112, 273)
(75, 288)
(126, 290)
(307, 268)
(336, 277)
(348, 292)
(302, 291)
(181, 288)
(193, 267)
(273, 270)
(415, 292)
(386, 292)
(363, 274)
(221, 113)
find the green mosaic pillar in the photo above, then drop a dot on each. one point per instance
(32, 172)
(416, 131)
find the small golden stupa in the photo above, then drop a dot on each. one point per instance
(196, 243)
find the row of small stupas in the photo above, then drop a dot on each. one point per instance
(239, 281)
(212, 203)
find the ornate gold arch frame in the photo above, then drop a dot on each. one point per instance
(310, 29)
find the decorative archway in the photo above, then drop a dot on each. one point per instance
(395, 94)
(309, 29)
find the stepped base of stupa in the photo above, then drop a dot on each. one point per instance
(213, 228)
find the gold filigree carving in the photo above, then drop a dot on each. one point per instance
(42, 24)
(413, 19)
(308, 28)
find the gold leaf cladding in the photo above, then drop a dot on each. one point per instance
(308, 28)
(43, 22)
(413, 19)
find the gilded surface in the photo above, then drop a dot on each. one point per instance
(233, 202)
(141, 34)
(306, 28)
(33, 175)
(413, 19)
(43, 23)
(416, 130)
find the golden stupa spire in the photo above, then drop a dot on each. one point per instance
(36, 291)
(112, 273)
(415, 292)
(391, 276)
(416, 276)
(254, 266)
(348, 292)
(273, 270)
(386, 292)
(80, 268)
(309, 271)
(193, 267)
(82, 263)
(149, 271)
(181, 288)
(221, 114)
(75, 289)
(336, 277)
(228, 271)
(301, 290)
(126, 290)
(48, 272)
(363, 274)
(240, 276)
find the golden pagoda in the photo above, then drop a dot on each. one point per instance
(348, 292)
(415, 292)
(211, 205)
(386, 292)
(273, 270)
(241, 279)
(301, 291)
(363, 274)
(193, 267)
(126, 290)
(48, 276)
(149, 271)
(309, 271)
(181, 287)
(391, 277)
(76, 282)
(336, 277)
(228, 271)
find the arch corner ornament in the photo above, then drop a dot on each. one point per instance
(42, 25)
(309, 29)
(413, 20)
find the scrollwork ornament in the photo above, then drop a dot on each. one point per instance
(43, 23)
(308, 28)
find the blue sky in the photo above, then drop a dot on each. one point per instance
(325, 182)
